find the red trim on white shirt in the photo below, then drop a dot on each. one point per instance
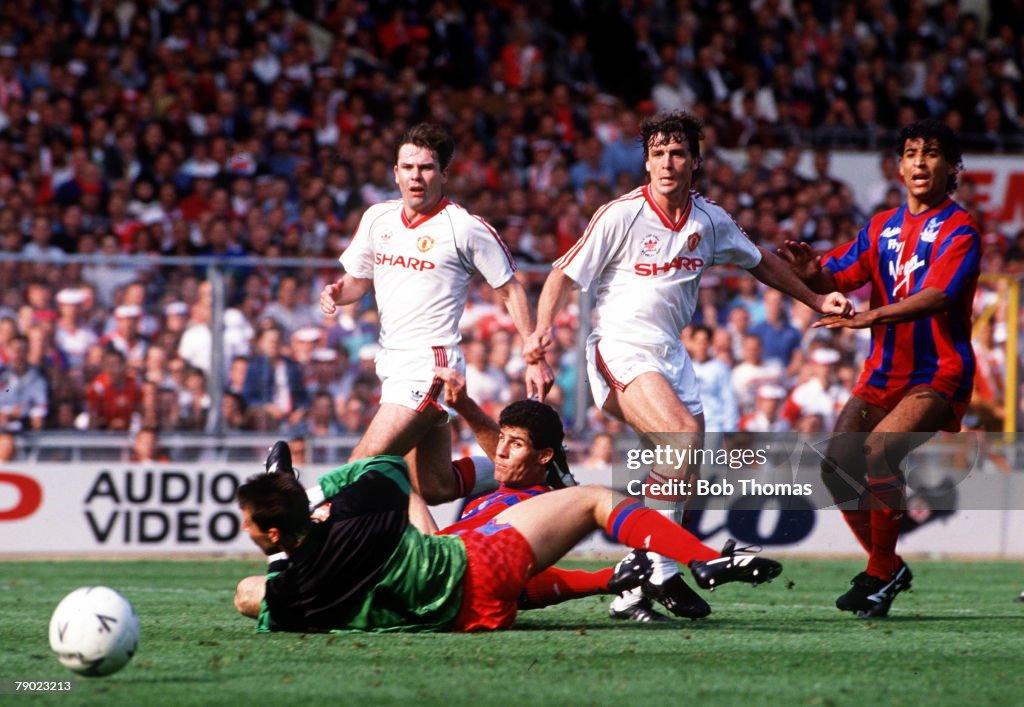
(422, 218)
(490, 229)
(665, 220)
(562, 262)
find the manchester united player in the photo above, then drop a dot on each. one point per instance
(644, 253)
(418, 254)
(922, 261)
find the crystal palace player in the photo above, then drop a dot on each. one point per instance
(523, 476)
(922, 261)
(366, 567)
(644, 254)
(419, 254)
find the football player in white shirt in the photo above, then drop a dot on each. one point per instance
(644, 254)
(418, 254)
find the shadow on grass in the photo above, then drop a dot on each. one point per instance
(806, 624)
(902, 618)
(176, 680)
(599, 624)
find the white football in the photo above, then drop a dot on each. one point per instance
(94, 631)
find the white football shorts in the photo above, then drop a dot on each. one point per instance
(407, 376)
(615, 364)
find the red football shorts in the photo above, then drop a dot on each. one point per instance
(499, 563)
(889, 398)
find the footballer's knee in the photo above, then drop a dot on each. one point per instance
(843, 483)
(690, 426)
(438, 489)
(599, 499)
(829, 467)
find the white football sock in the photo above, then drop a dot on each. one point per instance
(664, 568)
(315, 495)
(484, 468)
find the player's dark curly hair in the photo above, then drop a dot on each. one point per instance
(679, 126)
(432, 137)
(539, 420)
(276, 500)
(949, 144)
(544, 427)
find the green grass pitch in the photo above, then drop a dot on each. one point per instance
(957, 639)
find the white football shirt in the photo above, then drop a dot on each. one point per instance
(421, 269)
(647, 269)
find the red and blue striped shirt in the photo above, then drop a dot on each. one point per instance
(480, 511)
(900, 254)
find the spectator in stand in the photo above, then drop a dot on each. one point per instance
(24, 396)
(125, 336)
(195, 400)
(328, 372)
(73, 339)
(8, 447)
(303, 342)
(780, 340)
(169, 414)
(146, 447)
(291, 309)
(720, 411)
(273, 384)
(588, 166)
(767, 405)
(484, 383)
(113, 397)
(320, 421)
(752, 371)
(624, 154)
(601, 453)
(747, 297)
(820, 394)
(233, 412)
(176, 319)
(197, 340)
(237, 370)
(355, 415)
(737, 323)
(810, 425)
(988, 401)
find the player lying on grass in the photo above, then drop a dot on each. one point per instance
(366, 567)
(521, 478)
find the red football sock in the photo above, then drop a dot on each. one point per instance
(887, 497)
(646, 529)
(465, 475)
(555, 585)
(860, 524)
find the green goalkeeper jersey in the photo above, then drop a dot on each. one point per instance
(366, 568)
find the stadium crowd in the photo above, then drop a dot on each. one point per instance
(234, 129)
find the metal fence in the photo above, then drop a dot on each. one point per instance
(167, 278)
